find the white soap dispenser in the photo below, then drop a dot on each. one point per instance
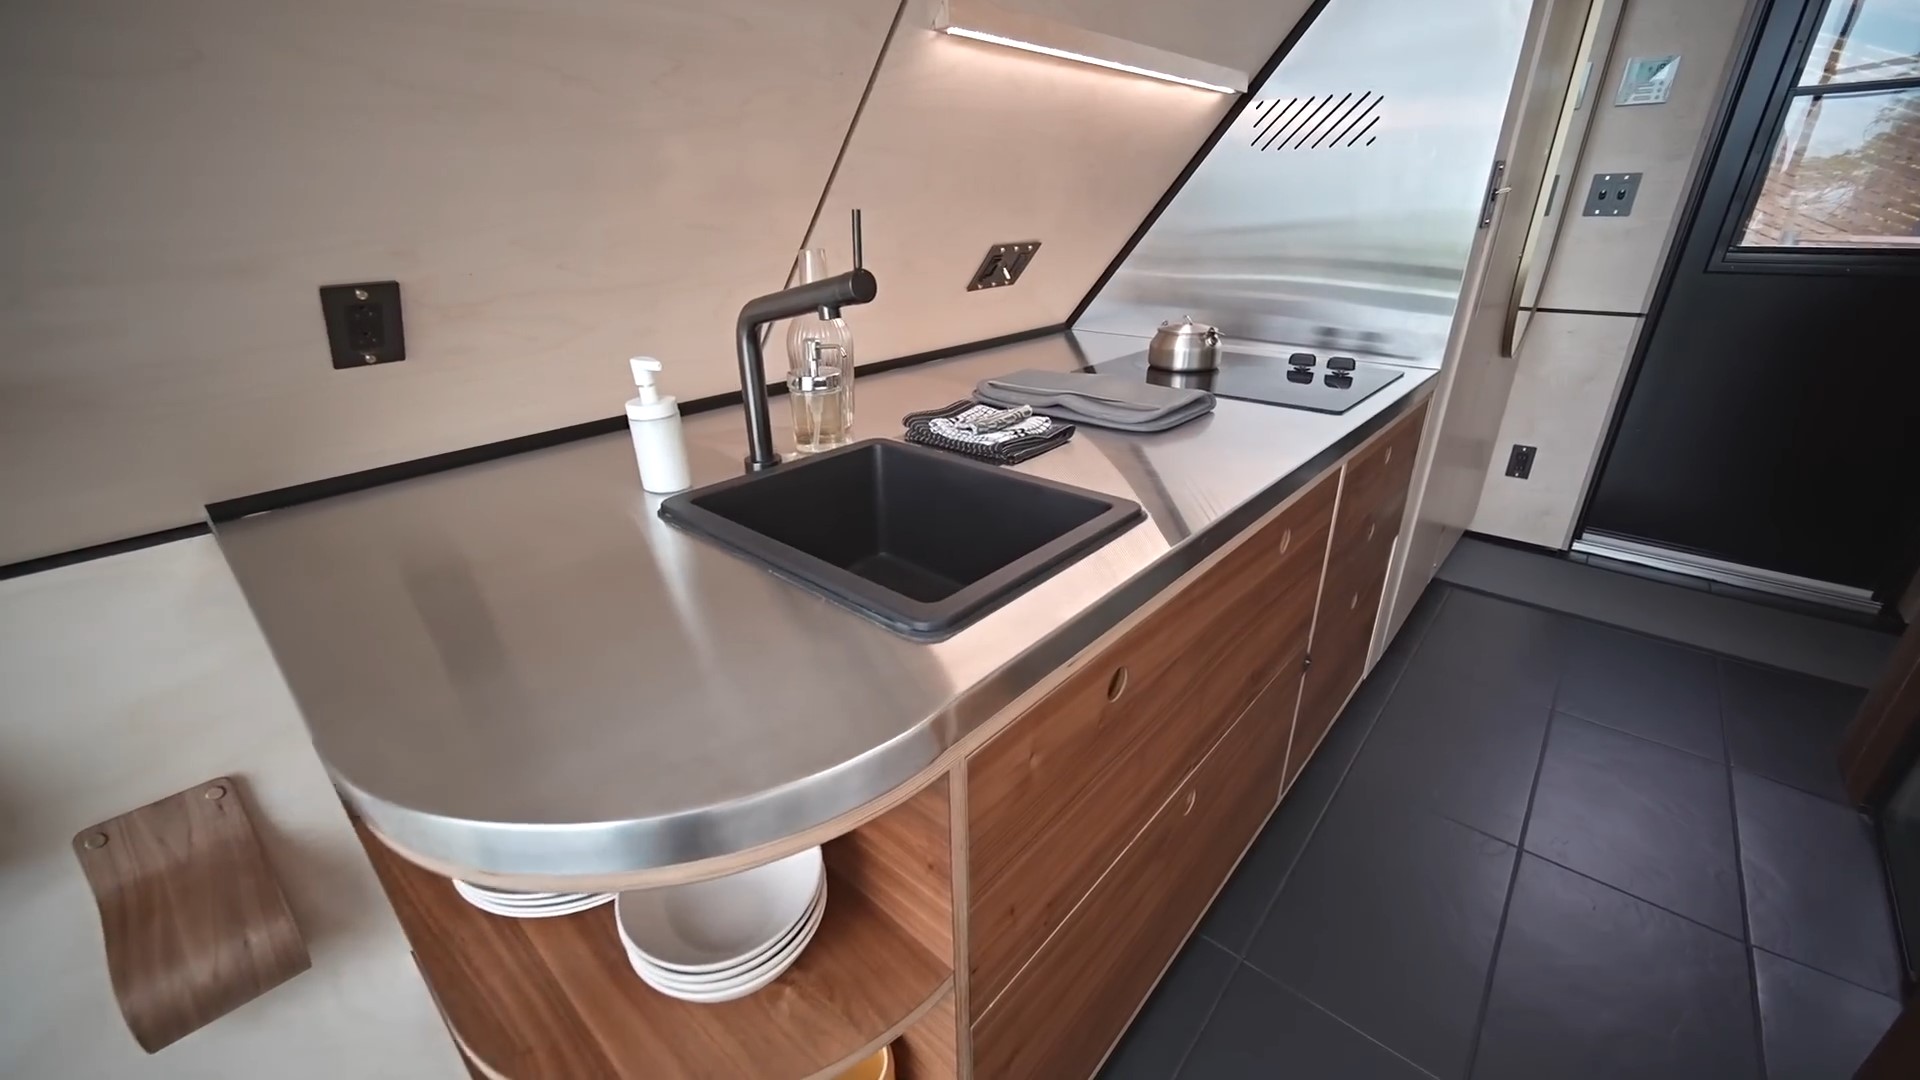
(655, 423)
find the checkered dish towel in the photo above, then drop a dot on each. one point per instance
(958, 428)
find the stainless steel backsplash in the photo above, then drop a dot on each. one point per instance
(1338, 211)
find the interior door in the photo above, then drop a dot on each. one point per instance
(1771, 429)
(1477, 373)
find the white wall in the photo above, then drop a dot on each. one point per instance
(556, 184)
(1573, 361)
(122, 681)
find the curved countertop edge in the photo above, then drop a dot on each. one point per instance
(715, 840)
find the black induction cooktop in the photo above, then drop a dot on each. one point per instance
(1326, 384)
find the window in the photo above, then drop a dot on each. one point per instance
(1845, 167)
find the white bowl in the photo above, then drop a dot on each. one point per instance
(778, 958)
(749, 983)
(568, 904)
(715, 925)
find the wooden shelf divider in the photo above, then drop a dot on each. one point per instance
(532, 998)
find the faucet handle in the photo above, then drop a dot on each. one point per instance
(857, 258)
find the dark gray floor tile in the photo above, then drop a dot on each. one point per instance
(1388, 922)
(1787, 727)
(1494, 641)
(1816, 1027)
(1667, 693)
(1648, 819)
(1237, 911)
(1172, 1018)
(1720, 624)
(1261, 1030)
(1460, 748)
(1814, 888)
(1592, 982)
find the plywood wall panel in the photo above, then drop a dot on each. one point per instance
(964, 144)
(556, 185)
(123, 680)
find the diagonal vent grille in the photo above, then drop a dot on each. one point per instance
(1316, 122)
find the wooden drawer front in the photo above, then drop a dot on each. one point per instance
(1349, 604)
(1055, 797)
(1066, 1010)
(1375, 493)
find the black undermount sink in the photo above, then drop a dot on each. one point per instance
(921, 541)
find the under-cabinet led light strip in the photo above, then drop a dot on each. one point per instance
(1014, 43)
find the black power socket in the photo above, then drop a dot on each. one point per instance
(1520, 461)
(363, 323)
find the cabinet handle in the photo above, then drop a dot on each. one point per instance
(1370, 528)
(1306, 662)
(1353, 603)
(1187, 808)
(1286, 541)
(1388, 459)
(1118, 684)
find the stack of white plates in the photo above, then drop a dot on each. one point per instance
(527, 905)
(723, 939)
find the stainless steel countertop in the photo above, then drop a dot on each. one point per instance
(517, 668)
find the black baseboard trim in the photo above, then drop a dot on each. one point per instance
(101, 551)
(1585, 311)
(279, 498)
(293, 495)
(1517, 545)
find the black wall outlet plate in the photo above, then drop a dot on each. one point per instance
(363, 323)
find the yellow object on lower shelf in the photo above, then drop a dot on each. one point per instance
(877, 1067)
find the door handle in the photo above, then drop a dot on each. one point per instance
(1494, 191)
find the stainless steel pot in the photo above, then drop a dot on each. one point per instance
(1184, 346)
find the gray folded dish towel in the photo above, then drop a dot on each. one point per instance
(1111, 401)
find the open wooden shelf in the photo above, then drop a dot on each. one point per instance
(535, 998)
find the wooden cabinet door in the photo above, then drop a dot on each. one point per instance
(1373, 497)
(1056, 797)
(1344, 631)
(1067, 1008)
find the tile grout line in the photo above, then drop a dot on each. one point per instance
(1308, 839)
(1513, 877)
(1740, 877)
(1212, 1006)
(1335, 1017)
(1683, 916)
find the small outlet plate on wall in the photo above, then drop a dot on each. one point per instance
(363, 323)
(1520, 461)
(1611, 194)
(1003, 265)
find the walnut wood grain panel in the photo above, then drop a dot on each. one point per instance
(533, 998)
(929, 1050)
(1342, 634)
(903, 861)
(193, 919)
(1373, 494)
(1058, 795)
(1060, 1018)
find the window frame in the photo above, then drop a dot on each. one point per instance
(1730, 255)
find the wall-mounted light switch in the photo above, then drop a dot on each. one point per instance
(1611, 194)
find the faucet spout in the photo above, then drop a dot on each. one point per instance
(826, 297)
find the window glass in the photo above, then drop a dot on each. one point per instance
(1845, 173)
(1865, 41)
